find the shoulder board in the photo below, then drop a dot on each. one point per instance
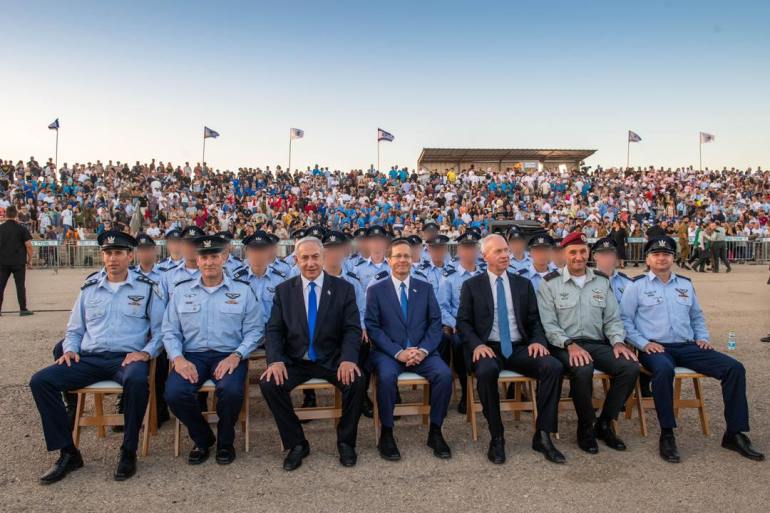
(279, 272)
(133, 268)
(380, 275)
(183, 281)
(362, 261)
(637, 278)
(600, 273)
(92, 274)
(88, 283)
(353, 255)
(241, 271)
(417, 272)
(280, 259)
(236, 258)
(425, 265)
(623, 275)
(353, 275)
(551, 275)
(522, 271)
(450, 271)
(683, 277)
(241, 281)
(144, 279)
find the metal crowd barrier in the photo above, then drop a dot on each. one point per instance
(51, 254)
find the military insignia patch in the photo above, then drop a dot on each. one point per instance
(135, 300)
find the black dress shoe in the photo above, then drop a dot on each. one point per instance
(293, 459)
(225, 455)
(667, 447)
(198, 455)
(348, 456)
(541, 442)
(741, 444)
(587, 440)
(367, 410)
(126, 465)
(438, 444)
(309, 401)
(496, 452)
(462, 406)
(67, 462)
(604, 432)
(387, 446)
(765, 339)
(24, 313)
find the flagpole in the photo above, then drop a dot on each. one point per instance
(56, 152)
(289, 168)
(700, 153)
(203, 159)
(378, 154)
(628, 152)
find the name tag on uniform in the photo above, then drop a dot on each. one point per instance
(190, 308)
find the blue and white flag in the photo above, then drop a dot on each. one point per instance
(296, 133)
(54, 125)
(207, 132)
(633, 137)
(382, 135)
(706, 138)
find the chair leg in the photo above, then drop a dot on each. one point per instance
(517, 399)
(337, 407)
(99, 413)
(375, 410)
(177, 433)
(78, 416)
(533, 402)
(146, 428)
(640, 409)
(425, 403)
(469, 397)
(704, 421)
(472, 408)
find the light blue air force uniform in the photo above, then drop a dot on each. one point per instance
(281, 265)
(155, 274)
(434, 274)
(449, 292)
(225, 320)
(353, 279)
(263, 287)
(232, 264)
(367, 270)
(174, 276)
(515, 265)
(620, 282)
(534, 276)
(168, 263)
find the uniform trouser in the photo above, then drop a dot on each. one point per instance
(48, 384)
(547, 370)
(278, 398)
(431, 368)
(182, 400)
(729, 371)
(18, 271)
(624, 374)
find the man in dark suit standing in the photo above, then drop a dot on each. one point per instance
(499, 323)
(314, 331)
(403, 321)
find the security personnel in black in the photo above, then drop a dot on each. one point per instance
(112, 333)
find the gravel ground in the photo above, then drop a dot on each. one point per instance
(708, 479)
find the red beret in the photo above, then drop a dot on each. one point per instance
(574, 238)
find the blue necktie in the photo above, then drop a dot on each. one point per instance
(502, 320)
(312, 310)
(403, 309)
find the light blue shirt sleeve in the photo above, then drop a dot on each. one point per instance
(172, 329)
(75, 327)
(253, 325)
(628, 308)
(697, 320)
(156, 311)
(444, 297)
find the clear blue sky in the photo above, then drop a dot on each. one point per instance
(135, 80)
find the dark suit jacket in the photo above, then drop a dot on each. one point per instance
(385, 324)
(477, 311)
(337, 329)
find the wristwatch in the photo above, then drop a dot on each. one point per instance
(238, 354)
(567, 343)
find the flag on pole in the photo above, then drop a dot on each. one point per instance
(207, 132)
(706, 138)
(633, 137)
(382, 135)
(296, 133)
(54, 125)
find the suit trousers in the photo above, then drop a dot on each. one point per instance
(624, 374)
(48, 384)
(278, 399)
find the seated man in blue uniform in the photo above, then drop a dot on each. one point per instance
(403, 321)
(664, 320)
(212, 324)
(113, 332)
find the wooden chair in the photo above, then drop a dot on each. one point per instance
(405, 379)
(333, 412)
(100, 420)
(565, 403)
(698, 403)
(516, 405)
(211, 416)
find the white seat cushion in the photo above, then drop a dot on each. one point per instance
(101, 385)
(208, 383)
(408, 376)
(510, 374)
(684, 370)
(316, 381)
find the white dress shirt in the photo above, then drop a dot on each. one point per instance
(513, 327)
(319, 283)
(397, 283)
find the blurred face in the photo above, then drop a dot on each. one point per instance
(558, 257)
(468, 254)
(146, 255)
(258, 257)
(400, 260)
(517, 247)
(377, 248)
(660, 262)
(496, 254)
(438, 253)
(606, 261)
(541, 256)
(310, 260)
(116, 262)
(577, 257)
(416, 252)
(210, 265)
(333, 256)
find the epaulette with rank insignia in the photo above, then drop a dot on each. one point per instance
(550, 276)
(600, 273)
(624, 275)
(683, 277)
(637, 278)
(360, 262)
(241, 271)
(522, 271)
(154, 286)
(419, 273)
(241, 281)
(449, 272)
(353, 275)
(279, 272)
(183, 281)
(88, 283)
(425, 264)
(92, 274)
(380, 275)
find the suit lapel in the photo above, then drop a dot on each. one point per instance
(395, 301)
(412, 296)
(486, 289)
(514, 297)
(298, 300)
(326, 297)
